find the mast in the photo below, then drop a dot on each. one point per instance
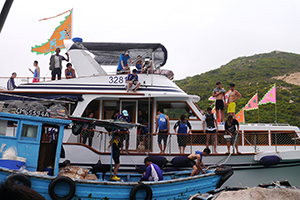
(4, 12)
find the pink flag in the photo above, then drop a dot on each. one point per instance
(252, 103)
(270, 96)
(211, 98)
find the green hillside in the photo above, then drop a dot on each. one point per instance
(251, 74)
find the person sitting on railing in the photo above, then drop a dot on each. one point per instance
(132, 81)
(153, 172)
(70, 72)
(36, 73)
(139, 64)
(123, 66)
(232, 133)
(183, 124)
(11, 82)
(147, 67)
(190, 161)
(210, 121)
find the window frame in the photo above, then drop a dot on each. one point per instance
(198, 118)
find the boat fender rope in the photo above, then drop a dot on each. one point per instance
(60, 179)
(137, 187)
(15, 178)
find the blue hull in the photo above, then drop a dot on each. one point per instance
(178, 188)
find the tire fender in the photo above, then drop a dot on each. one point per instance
(63, 179)
(20, 178)
(137, 187)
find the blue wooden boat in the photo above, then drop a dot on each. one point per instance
(34, 140)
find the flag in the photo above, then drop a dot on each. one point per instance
(270, 96)
(213, 110)
(240, 117)
(211, 98)
(252, 103)
(62, 32)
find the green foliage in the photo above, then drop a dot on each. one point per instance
(250, 75)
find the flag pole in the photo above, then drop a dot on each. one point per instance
(275, 106)
(257, 106)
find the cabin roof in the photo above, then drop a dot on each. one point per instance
(37, 119)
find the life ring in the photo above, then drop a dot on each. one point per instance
(13, 178)
(60, 179)
(136, 188)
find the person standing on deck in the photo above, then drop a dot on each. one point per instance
(123, 66)
(36, 73)
(116, 155)
(11, 82)
(211, 127)
(88, 131)
(190, 161)
(232, 129)
(183, 125)
(153, 172)
(162, 123)
(124, 133)
(55, 64)
(219, 94)
(233, 96)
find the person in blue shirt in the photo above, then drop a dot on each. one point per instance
(197, 165)
(70, 72)
(163, 125)
(124, 133)
(122, 66)
(139, 64)
(132, 81)
(36, 72)
(153, 172)
(183, 125)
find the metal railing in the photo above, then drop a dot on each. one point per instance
(247, 142)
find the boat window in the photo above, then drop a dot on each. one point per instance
(109, 108)
(283, 138)
(8, 128)
(257, 137)
(92, 107)
(29, 132)
(130, 107)
(175, 109)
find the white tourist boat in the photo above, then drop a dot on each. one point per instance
(95, 89)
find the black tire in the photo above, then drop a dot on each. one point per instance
(57, 180)
(136, 188)
(15, 178)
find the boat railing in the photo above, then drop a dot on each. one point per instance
(248, 142)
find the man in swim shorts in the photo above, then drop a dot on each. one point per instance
(233, 96)
(219, 93)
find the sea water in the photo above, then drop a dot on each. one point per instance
(252, 177)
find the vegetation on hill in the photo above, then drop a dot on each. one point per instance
(252, 74)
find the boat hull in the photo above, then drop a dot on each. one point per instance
(172, 188)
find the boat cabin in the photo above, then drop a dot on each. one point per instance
(35, 139)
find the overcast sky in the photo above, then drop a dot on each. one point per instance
(199, 35)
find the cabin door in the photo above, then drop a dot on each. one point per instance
(131, 107)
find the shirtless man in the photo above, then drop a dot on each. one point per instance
(219, 93)
(197, 166)
(233, 96)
